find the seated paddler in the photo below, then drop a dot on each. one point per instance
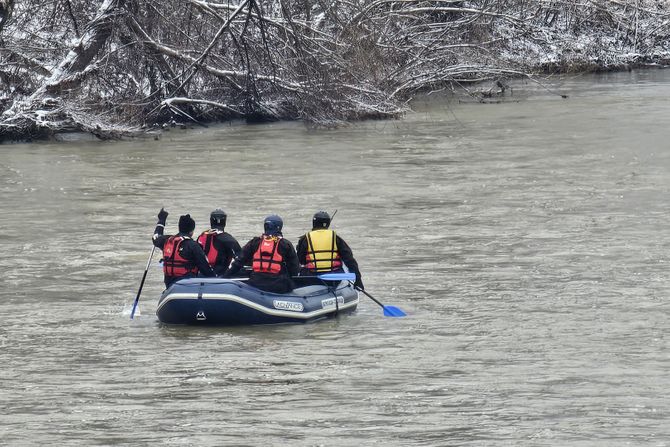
(219, 246)
(323, 251)
(182, 256)
(273, 259)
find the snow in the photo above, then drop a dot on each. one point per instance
(372, 63)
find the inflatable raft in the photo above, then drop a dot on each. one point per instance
(216, 301)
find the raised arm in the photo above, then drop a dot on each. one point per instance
(158, 237)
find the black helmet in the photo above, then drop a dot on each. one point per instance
(273, 225)
(217, 219)
(320, 220)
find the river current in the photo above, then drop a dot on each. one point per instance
(527, 240)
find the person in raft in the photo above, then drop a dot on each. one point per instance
(182, 256)
(323, 251)
(273, 259)
(219, 247)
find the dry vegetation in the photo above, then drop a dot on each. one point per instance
(115, 67)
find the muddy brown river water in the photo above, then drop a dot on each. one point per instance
(528, 241)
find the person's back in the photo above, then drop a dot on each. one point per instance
(321, 250)
(220, 247)
(182, 256)
(322, 254)
(273, 259)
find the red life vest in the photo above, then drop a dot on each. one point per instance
(206, 240)
(267, 258)
(174, 264)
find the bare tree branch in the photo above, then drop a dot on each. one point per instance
(147, 62)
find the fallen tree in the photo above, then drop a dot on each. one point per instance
(118, 67)
(47, 110)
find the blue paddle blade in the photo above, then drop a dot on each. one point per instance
(338, 276)
(392, 311)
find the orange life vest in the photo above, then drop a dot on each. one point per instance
(174, 264)
(322, 253)
(267, 258)
(206, 240)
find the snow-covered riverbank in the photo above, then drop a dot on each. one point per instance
(118, 67)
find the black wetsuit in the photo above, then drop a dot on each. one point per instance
(343, 249)
(189, 250)
(227, 249)
(280, 283)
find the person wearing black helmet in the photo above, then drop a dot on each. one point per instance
(182, 256)
(323, 251)
(220, 247)
(273, 259)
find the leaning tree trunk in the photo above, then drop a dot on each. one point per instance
(6, 7)
(46, 111)
(145, 63)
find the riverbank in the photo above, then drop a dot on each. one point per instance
(115, 69)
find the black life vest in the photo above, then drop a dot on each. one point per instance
(174, 264)
(267, 258)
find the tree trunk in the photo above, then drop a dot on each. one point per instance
(6, 7)
(45, 111)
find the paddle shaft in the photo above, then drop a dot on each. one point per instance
(144, 276)
(324, 277)
(389, 311)
(369, 296)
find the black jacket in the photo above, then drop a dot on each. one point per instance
(343, 249)
(228, 248)
(281, 283)
(189, 250)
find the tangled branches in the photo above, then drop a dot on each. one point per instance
(113, 67)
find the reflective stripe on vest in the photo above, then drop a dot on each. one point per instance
(174, 264)
(206, 240)
(267, 258)
(322, 254)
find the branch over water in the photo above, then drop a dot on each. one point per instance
(116, 67)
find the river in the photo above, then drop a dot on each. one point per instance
(527, 240)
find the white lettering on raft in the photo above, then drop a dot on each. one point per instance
(288, 305)
(330, 302)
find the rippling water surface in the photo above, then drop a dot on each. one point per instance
(528, 242)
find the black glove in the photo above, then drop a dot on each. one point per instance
(359, 283)
(162, 216)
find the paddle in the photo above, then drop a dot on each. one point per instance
(333, 276)
(137, 298)
(389, 311)
(324, 276)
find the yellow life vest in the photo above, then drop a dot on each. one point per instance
(322, 254)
